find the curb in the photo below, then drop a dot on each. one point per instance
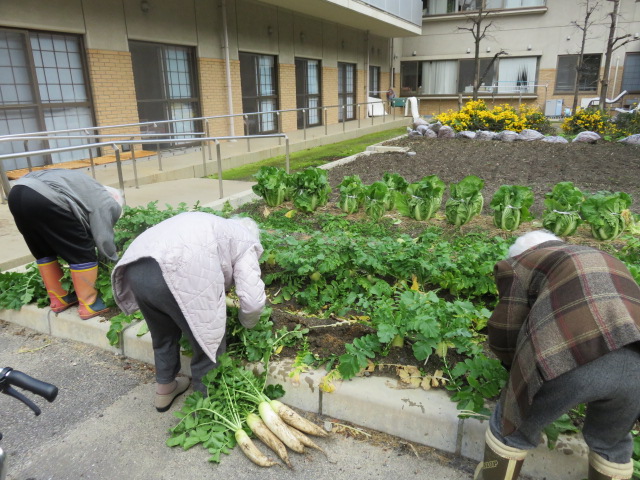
(379, 403)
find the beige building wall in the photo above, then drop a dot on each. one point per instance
(107, 27)
(544, 33)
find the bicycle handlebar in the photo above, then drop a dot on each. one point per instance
(10, 377)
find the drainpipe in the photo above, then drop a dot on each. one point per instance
(227, 67)
(366, 74)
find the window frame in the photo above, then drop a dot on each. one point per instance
(349, 112)
(303, 97)
(626, 73)
(571, 88)
(155, 55)
(412, 78)
(253, 98)
(44, 110)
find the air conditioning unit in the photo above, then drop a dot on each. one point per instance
(553, 108)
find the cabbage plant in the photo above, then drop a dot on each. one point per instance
(510, 206)
(397, 187)
(351, 194)
(422, 199)
(310, 189)
(606, 214)
(376, 198)
(562, 209)
(465, 200)
(272, 184)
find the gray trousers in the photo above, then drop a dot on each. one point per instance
(166, 324)
(610, 386)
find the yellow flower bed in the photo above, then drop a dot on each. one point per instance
(475, 115)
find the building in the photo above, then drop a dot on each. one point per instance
(541, 46)
(68, 64)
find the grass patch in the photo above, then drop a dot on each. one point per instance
(312, 157)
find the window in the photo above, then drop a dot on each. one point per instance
(347, 91)
(308, 92)
(374, 81)
(467, 73)
(517, 75)
(631, 75)
(259, 92)
(440, 7)
(450, 77)
(566, 73)
(166, 88)
(42, 87)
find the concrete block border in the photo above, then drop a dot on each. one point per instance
(425, 417)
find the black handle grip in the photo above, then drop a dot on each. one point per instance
(24, 381)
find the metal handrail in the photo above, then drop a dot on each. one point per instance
(6, 186)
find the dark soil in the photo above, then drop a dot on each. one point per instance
(591, 167)
(539, 165)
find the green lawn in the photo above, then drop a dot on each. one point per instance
(313, 157)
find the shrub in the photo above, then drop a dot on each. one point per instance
(589, 119)
(475, 115)
(627, 123)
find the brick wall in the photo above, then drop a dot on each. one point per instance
(330, 92)
(113, 89)
(213, 91)
(287, 92)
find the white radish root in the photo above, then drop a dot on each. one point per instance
(306, 441)
(292, 418)
(251, 451)
(279, 428)
(261, 431)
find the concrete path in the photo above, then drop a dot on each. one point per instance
(102, 426)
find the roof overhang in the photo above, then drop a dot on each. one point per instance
(352, 13)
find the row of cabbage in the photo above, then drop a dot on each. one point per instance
(566, 206)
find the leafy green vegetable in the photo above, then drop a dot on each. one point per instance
(311, 189)
(351, 194)
(397, 187)
(511, 206)
(272, 184)
(603, 211)
(562, 209)
(376, 198)
(422, 199)
(465, 200)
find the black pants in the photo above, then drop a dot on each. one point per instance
(48, 229)
(166, 324)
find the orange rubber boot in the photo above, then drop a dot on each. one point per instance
(51, 274)
(84, 278)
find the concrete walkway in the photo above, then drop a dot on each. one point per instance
(428, 418)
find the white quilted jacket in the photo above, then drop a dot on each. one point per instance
(201, 256)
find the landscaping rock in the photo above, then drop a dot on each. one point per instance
(430, 133)
(528, 135)
(446, 132)
(435, 126)
(554, 139)
(587, 137)
(419, 121)
(421, 129)
(631, 140)
(466, 134)
(507, 136)
(485, 135)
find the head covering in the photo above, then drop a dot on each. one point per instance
(249, 224)
(530, 240)
(116, 194)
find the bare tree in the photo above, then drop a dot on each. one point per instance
(587, 22)
(613, 43)
(478, 29)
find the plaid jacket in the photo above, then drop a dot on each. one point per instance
(560, 306)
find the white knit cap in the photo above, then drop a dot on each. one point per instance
(530, 240)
